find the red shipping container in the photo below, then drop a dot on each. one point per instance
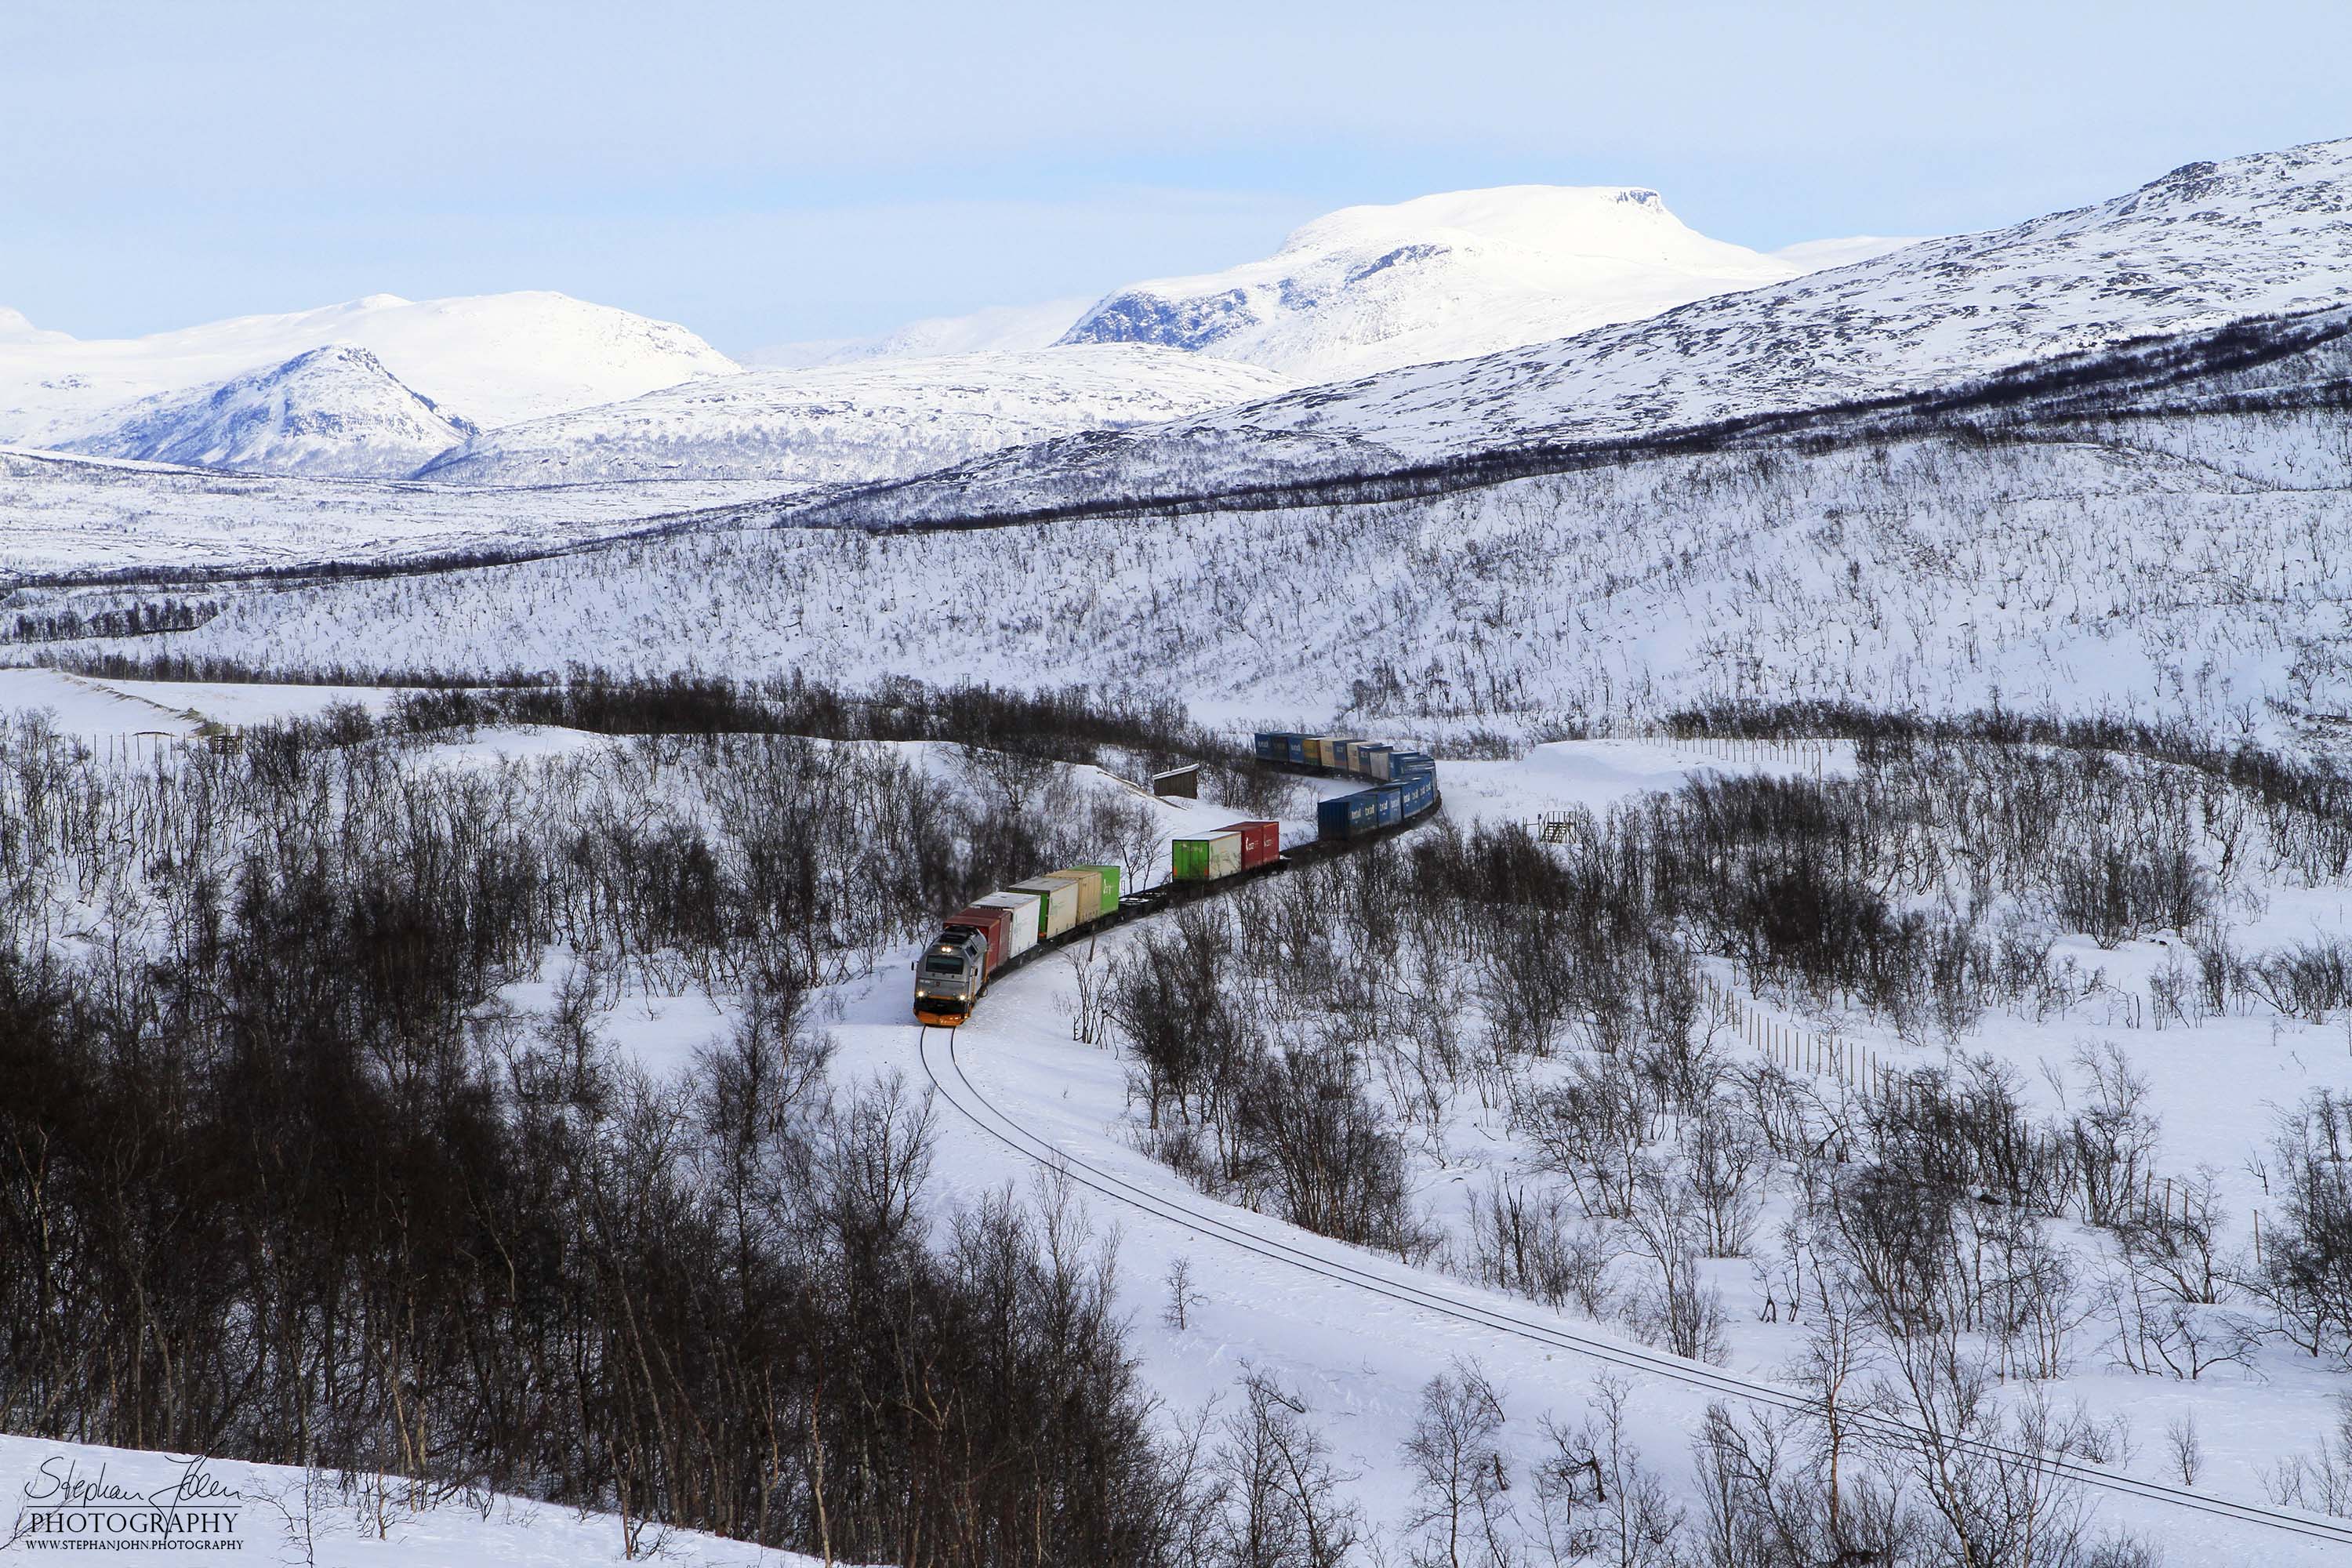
(992, 923)
(1261, 842)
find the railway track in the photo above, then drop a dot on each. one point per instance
(1397, 1283)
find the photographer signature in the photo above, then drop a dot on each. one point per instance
(60, 1482)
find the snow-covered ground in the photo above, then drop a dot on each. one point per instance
(277, 1513)
(94, 710)
(1360, 1335)
(1361, 1347)
(135, 718)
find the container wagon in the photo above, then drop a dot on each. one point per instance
(1347, 815)
(1060, 897)
(1261, 842)
(1005, 928)
(1025, 911)
(1205, 859)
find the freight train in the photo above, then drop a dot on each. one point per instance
(1012, 925)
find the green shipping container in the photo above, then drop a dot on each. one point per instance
(1061, 896)
(1206, 858)
(1109, 887)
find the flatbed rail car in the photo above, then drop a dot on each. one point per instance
(1000, 932)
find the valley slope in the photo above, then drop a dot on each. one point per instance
(863, 421)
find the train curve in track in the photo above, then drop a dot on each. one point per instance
(1411, 1288)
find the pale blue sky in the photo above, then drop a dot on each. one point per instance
(770, 172)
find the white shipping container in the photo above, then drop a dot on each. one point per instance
(1090, 890)
(1025, 909)
(1224, 855)
(1061, 896)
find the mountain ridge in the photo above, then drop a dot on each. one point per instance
(2197, 247)
(332, 412)
(495, 358)
(1439, 277)
(857, 422)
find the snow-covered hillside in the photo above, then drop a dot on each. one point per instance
(494, 359)
(2191, 572)
(995, 329)
(330, 411)
(280, 1513)
(60, 513)
(1441, 277)
(2204, 245)
(877, 420)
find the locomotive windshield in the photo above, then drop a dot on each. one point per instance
(947, 965)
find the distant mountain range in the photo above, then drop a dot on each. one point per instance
(1371, 287)
(2204, 245)
(1446, 276)
(1486, 319)
(493, 360)
(530, 388)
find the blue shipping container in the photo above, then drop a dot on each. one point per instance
(1297, 749)
(1345, 815)
(1418, 792)
(1392, 806)
(1403, 763)
(1273, 746)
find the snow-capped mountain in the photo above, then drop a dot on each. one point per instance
(15, 329)
(2205, 244)
(1371, 286)
(331, 411)
(881, 419)
(1442, 277)
(997, 329)
(496, 359)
